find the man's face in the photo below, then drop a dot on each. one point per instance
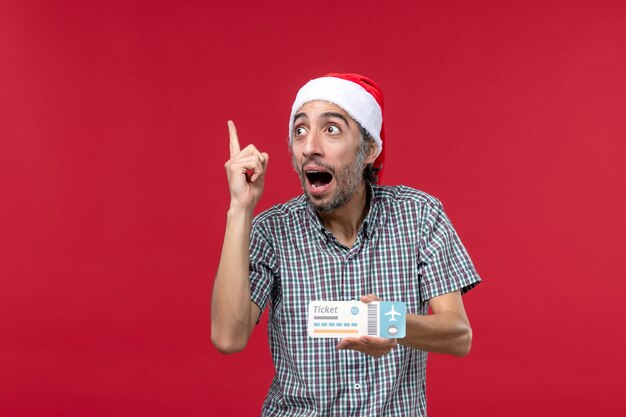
(328, 154)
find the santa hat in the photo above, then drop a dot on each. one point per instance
(357, 95)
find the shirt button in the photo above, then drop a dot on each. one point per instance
(357, 386)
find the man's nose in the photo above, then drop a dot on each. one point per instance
(312, 144)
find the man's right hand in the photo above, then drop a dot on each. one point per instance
(245, 171)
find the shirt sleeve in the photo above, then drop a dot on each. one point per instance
(262, 267)
(445, 265)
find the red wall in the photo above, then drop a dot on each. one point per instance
(113, 194)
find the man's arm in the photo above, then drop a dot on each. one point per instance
(233, 314)
(447, 330)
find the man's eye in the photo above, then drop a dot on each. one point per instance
(299, 131)
(333, 130)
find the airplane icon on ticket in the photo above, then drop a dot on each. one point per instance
(393, 313)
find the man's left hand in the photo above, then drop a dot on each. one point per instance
(373, 346)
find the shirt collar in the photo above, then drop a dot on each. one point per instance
(372, 220)
(368, 227)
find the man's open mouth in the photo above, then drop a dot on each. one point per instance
(318, 179)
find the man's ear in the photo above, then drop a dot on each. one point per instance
(371, 152)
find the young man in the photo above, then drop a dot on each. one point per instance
(346, 238)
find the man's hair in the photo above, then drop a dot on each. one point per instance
(370, 174)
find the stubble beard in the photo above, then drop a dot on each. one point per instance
(348, 179)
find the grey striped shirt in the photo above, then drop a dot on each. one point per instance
(406, 250)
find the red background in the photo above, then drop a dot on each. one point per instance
(113, 194)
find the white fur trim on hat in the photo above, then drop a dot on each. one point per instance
(348, 95)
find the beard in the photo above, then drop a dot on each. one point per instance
(348, 179)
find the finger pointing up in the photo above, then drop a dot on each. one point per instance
(234, 139)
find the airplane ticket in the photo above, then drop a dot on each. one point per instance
(355, 318)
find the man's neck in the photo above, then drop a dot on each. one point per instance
(344, 222)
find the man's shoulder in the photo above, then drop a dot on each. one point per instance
(393, 195)
(281, 212)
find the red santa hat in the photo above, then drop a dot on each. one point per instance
(357, 95)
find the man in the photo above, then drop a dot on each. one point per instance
(344, 238)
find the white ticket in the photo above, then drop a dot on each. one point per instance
(355, 318)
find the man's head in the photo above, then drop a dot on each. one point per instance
(336, 138)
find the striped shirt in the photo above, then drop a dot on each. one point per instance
(406, 250)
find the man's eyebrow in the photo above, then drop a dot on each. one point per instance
(326, 115)
(300, 116)
(330, 114)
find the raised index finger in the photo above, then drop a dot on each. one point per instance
(234, 139)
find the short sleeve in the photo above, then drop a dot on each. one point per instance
(445, 265)
(262, 266)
